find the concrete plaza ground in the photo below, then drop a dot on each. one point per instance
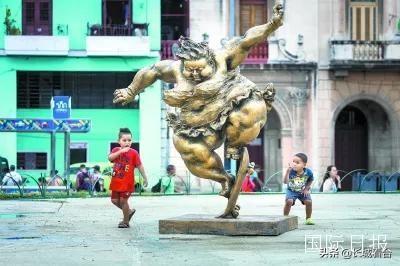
(84, 232)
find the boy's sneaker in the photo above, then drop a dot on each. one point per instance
(309, 221)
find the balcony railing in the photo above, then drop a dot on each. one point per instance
(117, 30)
(117, 40)
(257, 55)
(364, 50)
(167, 49)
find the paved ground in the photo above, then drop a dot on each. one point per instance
(83, 231)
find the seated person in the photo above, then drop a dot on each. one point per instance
(167, 181)
(97, 179)
(83, 179)
(56, 180)
(331, 181)
(11, 177)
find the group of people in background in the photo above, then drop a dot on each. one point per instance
(13, 178)
(89, 180)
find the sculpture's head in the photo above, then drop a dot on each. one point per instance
(198, 60)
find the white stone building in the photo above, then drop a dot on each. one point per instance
(336, 67)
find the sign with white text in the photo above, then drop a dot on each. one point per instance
(61, 107)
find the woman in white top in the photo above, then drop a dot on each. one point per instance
(331, 182)
(12, 178)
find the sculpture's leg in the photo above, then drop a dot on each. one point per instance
(244, 125)
(201, 160)
(232, 210)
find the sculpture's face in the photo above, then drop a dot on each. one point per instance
(197, 70)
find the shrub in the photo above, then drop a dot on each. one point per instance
(11, 29)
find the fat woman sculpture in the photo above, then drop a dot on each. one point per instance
(216, 105)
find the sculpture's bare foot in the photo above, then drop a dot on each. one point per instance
(232, 153)
(224, 190)
(233, 214)
(227, 187)
(278, 14)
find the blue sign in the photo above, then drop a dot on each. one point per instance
(44, 125)
(61, 106)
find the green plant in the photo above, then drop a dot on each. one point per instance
(398, 26)
(11, 29)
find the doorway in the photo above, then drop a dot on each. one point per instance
(364, 139)
(266, 152)
(351, 143)
(37, 17)
(273, 152)
(117, 12)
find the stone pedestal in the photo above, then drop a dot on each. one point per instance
(257, 225)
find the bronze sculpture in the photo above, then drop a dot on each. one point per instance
(217, 105)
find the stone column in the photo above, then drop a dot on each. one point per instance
(339, 19)
(165, 145)
(150, 132)
(298, 98)
(390, 18)
(287, 151)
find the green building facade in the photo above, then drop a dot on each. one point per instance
(91, 47)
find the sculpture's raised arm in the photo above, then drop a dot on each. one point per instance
(237, 51)
(163, 70)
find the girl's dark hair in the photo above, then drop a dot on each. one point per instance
(302, 157)
(326, 176)
(123, 131)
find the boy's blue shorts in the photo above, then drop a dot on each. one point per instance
(296, 195)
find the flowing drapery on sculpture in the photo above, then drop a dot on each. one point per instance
(216, 105)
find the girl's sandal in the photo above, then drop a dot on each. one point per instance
(123, 225)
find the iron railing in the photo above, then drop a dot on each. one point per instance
(117, 30)
(361, 181)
